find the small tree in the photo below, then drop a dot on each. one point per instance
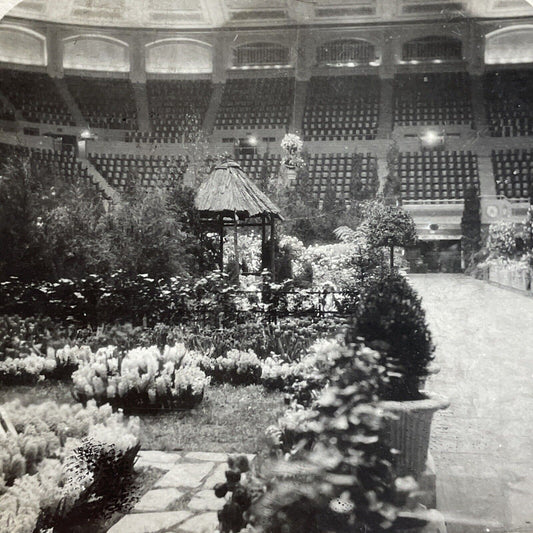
(471, 224)
(389, 226)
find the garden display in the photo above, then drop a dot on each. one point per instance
(141, 378)
(63, 464)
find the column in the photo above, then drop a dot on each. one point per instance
(474, 49)
(221, 58)
(137, 58)
(54, 52)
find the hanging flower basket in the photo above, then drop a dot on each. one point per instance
(292, 146)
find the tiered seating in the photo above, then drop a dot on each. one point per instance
(513, 172)
(177, 109)
(344, 107)
(256, 103)
(338, 170)
(64, 163)
(254, 164)
(443, 98)
(6, 113)
(104, 102)
(36, 95)
(124, 171)
(509, 102)
(437, 175)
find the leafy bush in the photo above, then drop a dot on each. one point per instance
(390, 318)
(143, 377)
(57, 466)
(338, 477)
(121, 297)
(502, 240)
(52, 227)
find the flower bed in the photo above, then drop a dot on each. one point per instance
(142, 378)
(236, 367)
(302, 379)
(64, 462)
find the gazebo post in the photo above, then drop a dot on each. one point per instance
(272, 248)
(263, 239)
(236, 245)
(221, 245)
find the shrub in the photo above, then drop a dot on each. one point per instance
(471, 224)
(142, 378)
(122, 297)
(390, 318)
(339, 476)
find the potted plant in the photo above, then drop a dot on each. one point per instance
(391, 319)
(338, 475)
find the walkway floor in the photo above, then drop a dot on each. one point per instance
(482, 444)
(183, 500)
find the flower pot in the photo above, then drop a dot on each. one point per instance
(408, 431)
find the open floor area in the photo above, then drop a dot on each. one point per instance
(482, 444)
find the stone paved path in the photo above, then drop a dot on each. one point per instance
(482, 444)
(182, 500)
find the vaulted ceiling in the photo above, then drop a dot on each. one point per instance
(219, 13)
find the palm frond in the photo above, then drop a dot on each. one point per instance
(346, 234)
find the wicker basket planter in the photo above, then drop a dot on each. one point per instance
(409, 429)
(494, 274)
(520, 280)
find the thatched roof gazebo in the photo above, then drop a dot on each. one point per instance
(229, 198)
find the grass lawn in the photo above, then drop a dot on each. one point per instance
(230, 419)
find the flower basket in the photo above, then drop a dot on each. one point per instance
(408, 431)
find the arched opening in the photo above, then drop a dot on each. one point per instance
(95, 52)
(22, 45)
(433, 48)
(509, 45)
(346, 52)
(261, 55)
(179, 56)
